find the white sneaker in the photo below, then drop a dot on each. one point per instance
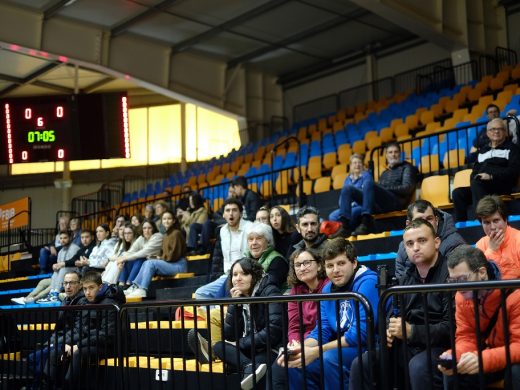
(247, 381)
(130, 289)
(19, 301)
(137, 293)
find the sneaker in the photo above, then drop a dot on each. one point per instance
(199, 346)
(19, 300)
(47, 299)
(342, 232)
(29, 299)
(136, 293)
(130, 289)
(248, 377)
(366, 226)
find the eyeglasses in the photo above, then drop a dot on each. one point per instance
(70, 283)
(304, 263)
(461, 278)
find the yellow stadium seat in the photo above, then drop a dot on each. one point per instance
(462, 178)
(386, 134)
(412, 121)
(427, 117)
(338, 169)
(374, 142)
(436, 189)
(401, 130)
(454, 158)
(266, 189)
(339, 180)
(314, 168)
(395, 122)
(344, 153)
(359, 147)
(429, 163)
(282, 182)
(307, 187)
(322, 184)
(329, 160)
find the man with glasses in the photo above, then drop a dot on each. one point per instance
(73, 294)
(443, 224)
(495, 171)
(308, 225)
(468, 264)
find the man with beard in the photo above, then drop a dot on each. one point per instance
(308, 225)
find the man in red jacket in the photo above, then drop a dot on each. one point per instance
(468, 264)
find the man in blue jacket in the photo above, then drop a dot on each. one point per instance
(346, 275)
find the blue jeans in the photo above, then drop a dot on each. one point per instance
(193, 237)
(158, 267)
(46, 260)
(130, 270)
(331, 373)
(215, 289)
(355, 219)
(372, 198)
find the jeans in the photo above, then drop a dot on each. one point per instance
(215, 289)
(130, 270)
(158, 267)
(331, 371)
(207, 234)
(46, 260)
(372, 198)
(355, 219)
(193, 236)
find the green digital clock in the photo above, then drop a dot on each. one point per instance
(41, 136)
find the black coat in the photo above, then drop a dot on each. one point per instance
(93, 327)
(83, 251)
(235, 328)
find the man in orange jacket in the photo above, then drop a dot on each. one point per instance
(501, 242)
(468, 264)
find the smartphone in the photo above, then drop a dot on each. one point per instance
(445, 363)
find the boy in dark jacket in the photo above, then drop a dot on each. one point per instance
(93, 334)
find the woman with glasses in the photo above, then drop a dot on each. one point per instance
(127, 236)
(306, 276)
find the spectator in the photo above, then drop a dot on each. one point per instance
(468, 264)
(120, 221)
(501, 242)
(231, 245)
(160, 207)
(284, 231)
(262, 215)
(247, 279)
(49, 253)
(149, 212)
(350, 214)
(75, 228)
(192, 220)
(306, 276)
(169, 262)
(260, 246)
(345, 274)
(148, 244)
(127, 236)
(98, 259)
(80, 259)
(443, 224)
(495, 172)
(251, 200)
(393, 192)
(137, 220)
(428, 267)
(482, 140)
(37, 360)
(184, 201)
(308, 225)
(67, 251)
(93, 334)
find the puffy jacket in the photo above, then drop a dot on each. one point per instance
(97, 327)
(83, 251)
(494, 356)
(365, 283)
(438, 308)
(236, 329)
(401, 179)
(450, 239)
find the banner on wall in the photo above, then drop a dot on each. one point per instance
(8, 210)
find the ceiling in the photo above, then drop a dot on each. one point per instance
(290, 39)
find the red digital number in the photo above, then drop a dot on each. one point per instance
(59, 112)
(28, 113)
(61, 153)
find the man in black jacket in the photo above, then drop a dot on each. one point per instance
(308, 225)
(393, 192)
(251, 200)
(93, 335)
(80, 259)
(443, 224)
(428, 267)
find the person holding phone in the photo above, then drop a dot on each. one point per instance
(468, 264)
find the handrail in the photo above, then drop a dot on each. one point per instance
(300, 175)
(27, 239)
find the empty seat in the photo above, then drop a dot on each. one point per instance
(436, 189)
(462, 178)
(322, 184)
(454, 158)
(339, 180)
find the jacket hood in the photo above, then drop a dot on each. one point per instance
(446, 224)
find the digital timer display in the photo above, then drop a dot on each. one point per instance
(66, 127)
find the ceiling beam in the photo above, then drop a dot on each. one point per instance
(154, 9)
(186, 44)
(49, 12)
(97, 84)
(298, 37)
